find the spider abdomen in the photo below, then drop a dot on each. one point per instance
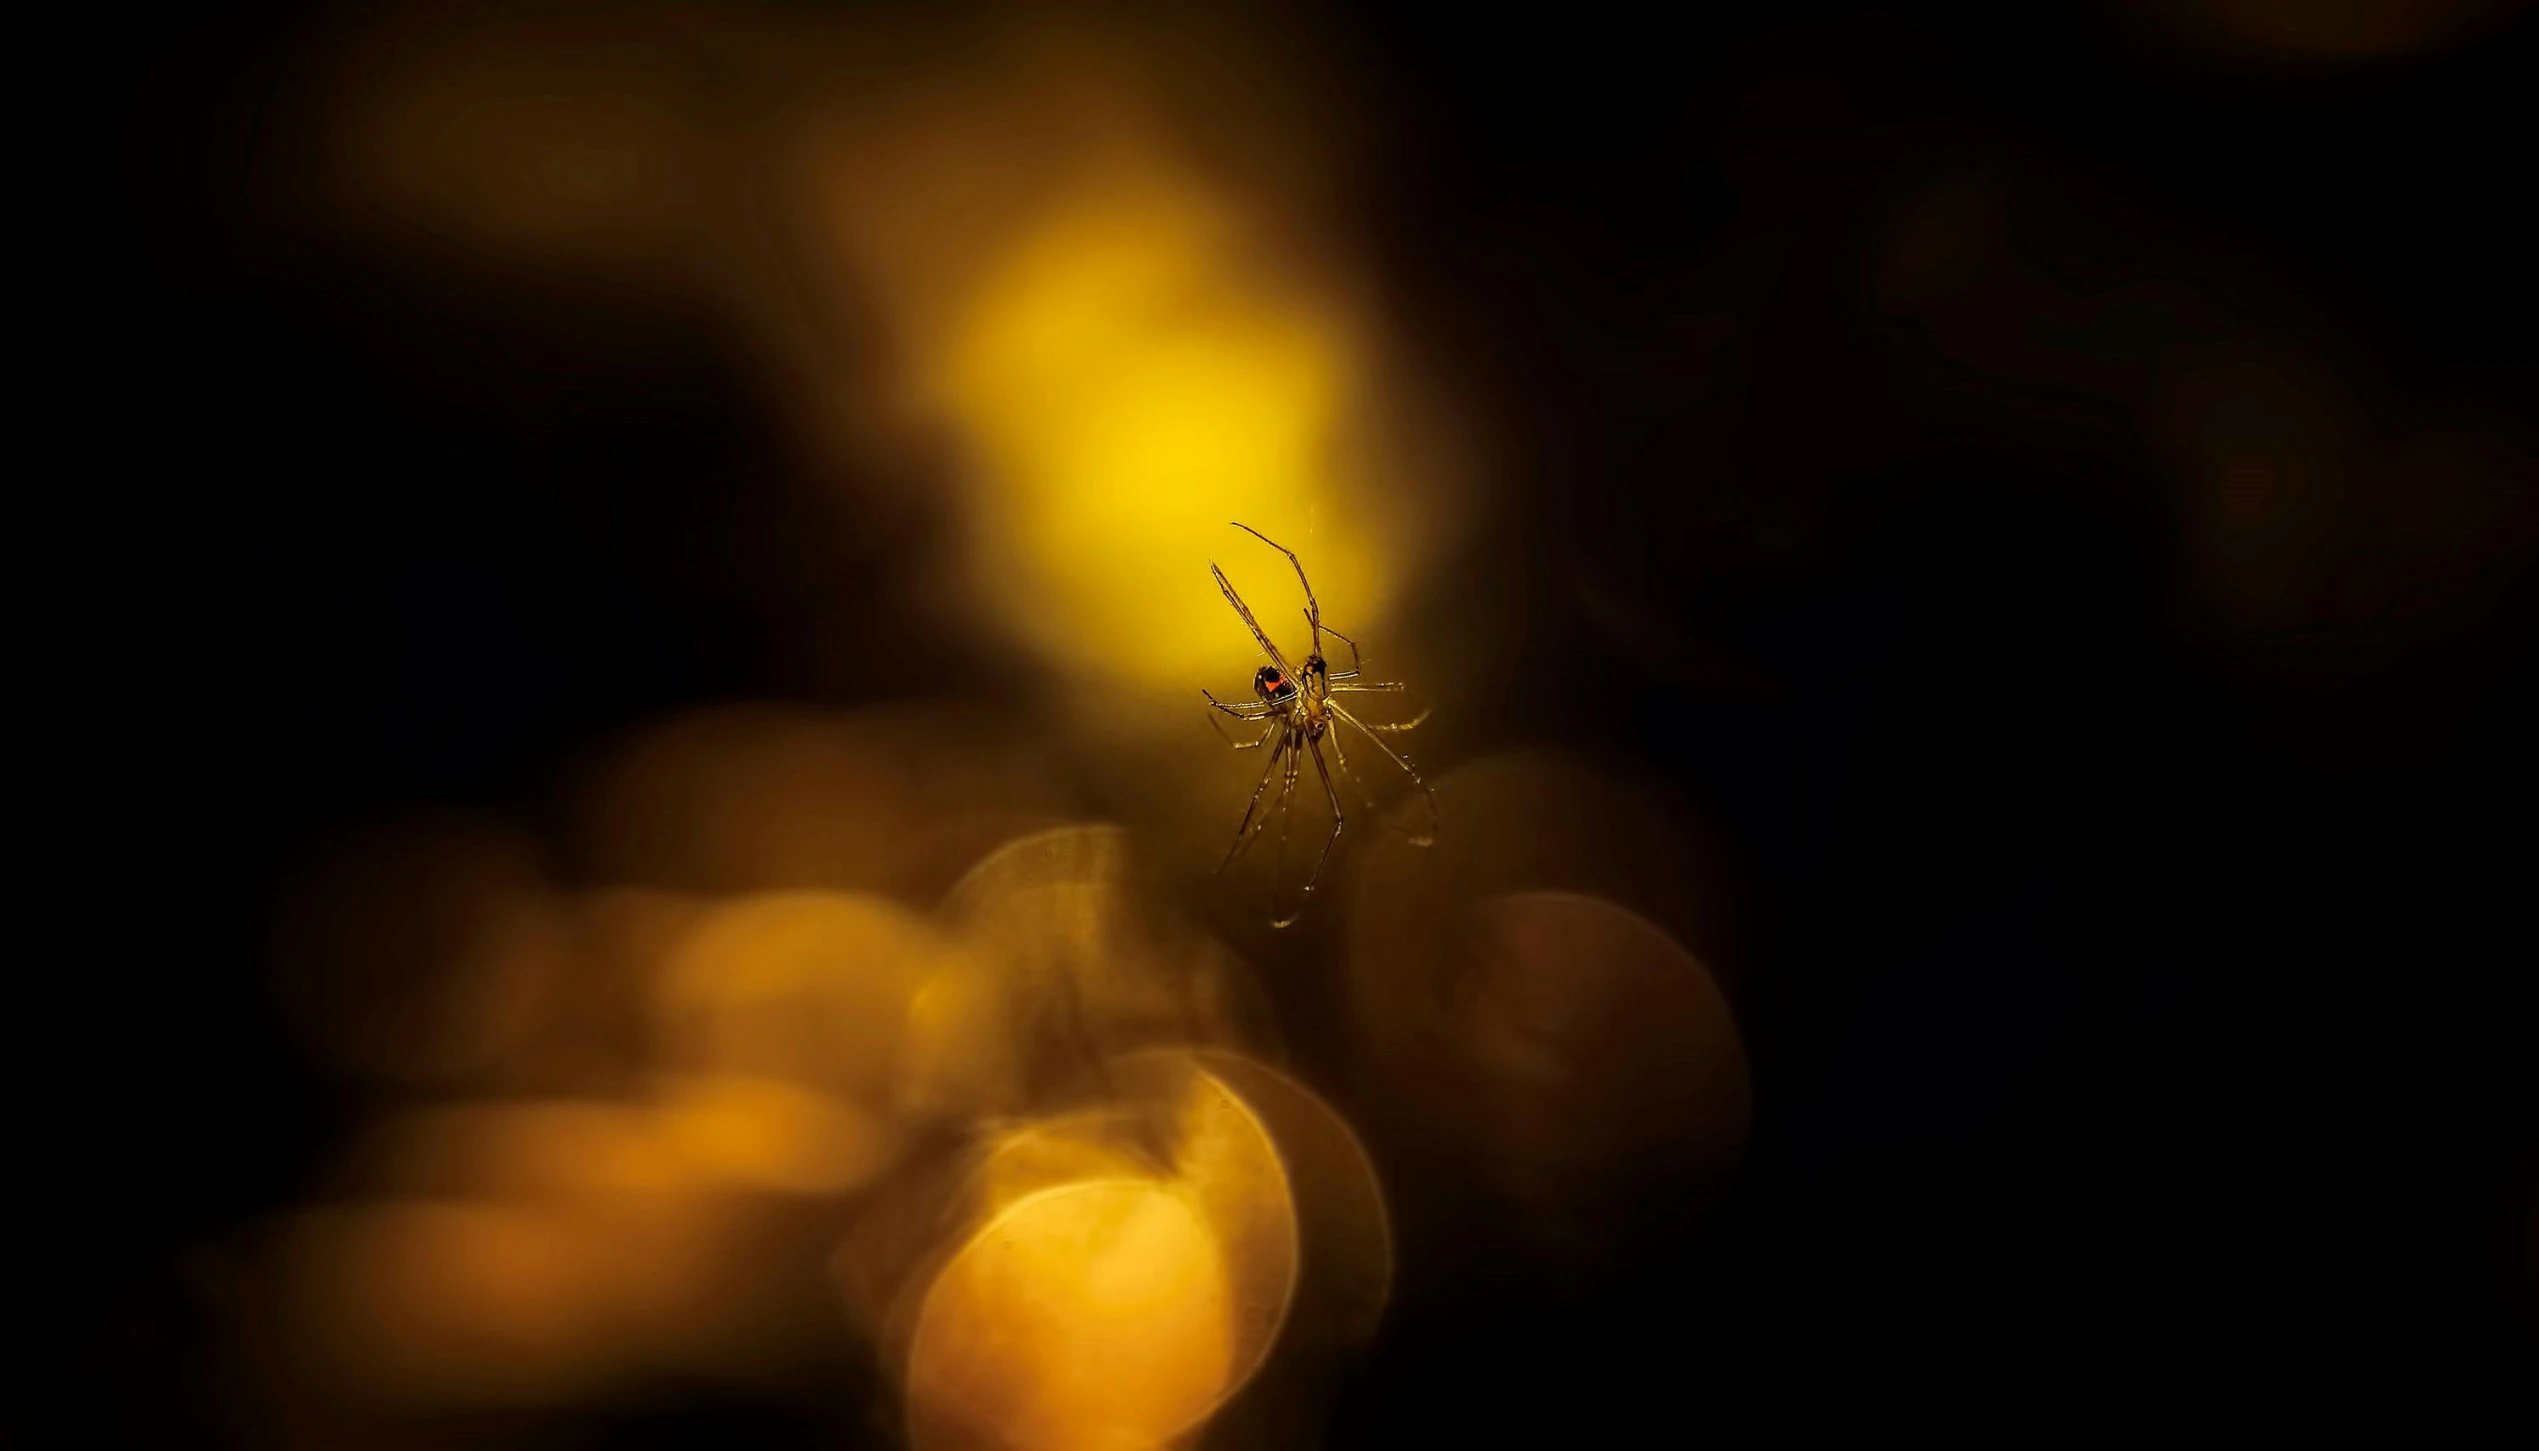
(1273, 685)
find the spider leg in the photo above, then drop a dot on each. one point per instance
(1252, 710)
(1358, 784)
(1313, 607)
(1340, 757)
(1314, 748)
(1386, 687)
(1244, 830)
(1355, 664)
(1395, 757)
(1244, 745)
(1286, 818)
(1254, 625)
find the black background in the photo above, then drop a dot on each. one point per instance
(2148, 1038)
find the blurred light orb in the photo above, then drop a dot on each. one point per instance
(1132, 1265)
(1130, 348)
(1596, 1038)
(1344, 1232)
(1132, 381)
(1574, 1047)
(1083, 1318)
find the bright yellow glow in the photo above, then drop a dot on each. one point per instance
(1132, 356)
(1094, 1317)
(1131, 388)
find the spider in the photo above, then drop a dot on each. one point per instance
(1299, 719)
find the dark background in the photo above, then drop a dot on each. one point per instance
(2143, 1026)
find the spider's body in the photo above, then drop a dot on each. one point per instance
(1299, 721)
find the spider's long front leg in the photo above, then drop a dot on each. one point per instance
(1313, 607)
(1244, 831)
(1226, 587)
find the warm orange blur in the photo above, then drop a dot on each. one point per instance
(780, 1029)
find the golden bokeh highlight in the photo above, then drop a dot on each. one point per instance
(1132, 346)
(1094, 1316)
(1344, 1233)
(1167, 1205)
(1130, 387)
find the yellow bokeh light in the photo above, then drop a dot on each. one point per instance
(1132, 352)
(1130, 390)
